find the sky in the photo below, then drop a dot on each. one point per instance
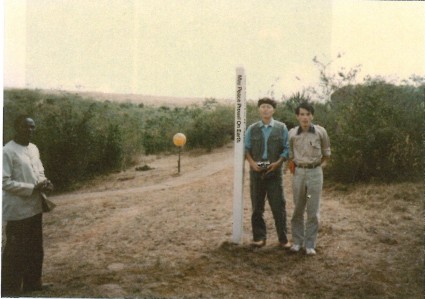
(192, 48)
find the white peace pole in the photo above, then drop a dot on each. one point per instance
(240, 125)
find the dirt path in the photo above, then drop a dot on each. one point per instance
(194, 167)
(156, 234)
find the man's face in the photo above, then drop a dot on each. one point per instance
(266, 111)
(26, 130)
(304, 118)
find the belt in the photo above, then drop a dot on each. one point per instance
(309, 166)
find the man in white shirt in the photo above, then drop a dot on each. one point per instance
(309, 149)
(23, 180)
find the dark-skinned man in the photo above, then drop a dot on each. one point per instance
(23, 182)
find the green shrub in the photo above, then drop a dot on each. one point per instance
(163, 123)
(375, 129)
(212, 128)
(78, 138)
(376, 132)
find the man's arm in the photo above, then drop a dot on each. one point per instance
(18, 188)
(285, 152)
(39, 166)
(291, 163)
(252, 163)
(326, 147)
(44, 184)
(248, 157)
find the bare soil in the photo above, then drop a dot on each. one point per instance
(159, 234)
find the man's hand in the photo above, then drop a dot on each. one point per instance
(273, 166)
(252, 163)
(44, 186)
(324, 162)
(254, 166)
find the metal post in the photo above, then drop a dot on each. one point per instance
(240, 125)
(178, 163)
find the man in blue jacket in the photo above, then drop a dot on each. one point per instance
(266, 149)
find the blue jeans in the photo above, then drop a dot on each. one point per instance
(307, 188)
(270, 186)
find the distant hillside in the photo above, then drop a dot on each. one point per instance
(133, 98)
(145, 99)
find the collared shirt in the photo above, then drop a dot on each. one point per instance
(308, 147)
(267, 129)
(22, 170)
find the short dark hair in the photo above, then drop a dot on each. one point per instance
(19, 120)
(267, 101)
(305, 105)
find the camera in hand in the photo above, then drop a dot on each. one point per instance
(263, 164)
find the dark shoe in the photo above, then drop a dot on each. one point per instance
(285, 246)
(258, 244)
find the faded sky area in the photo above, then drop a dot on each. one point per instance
(191, 48)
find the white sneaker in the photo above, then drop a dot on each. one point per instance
(295, 248)
(310, 251)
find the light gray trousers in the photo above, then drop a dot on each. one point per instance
(307, 188)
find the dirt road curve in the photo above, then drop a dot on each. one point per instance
(164, 174)
(156, 234)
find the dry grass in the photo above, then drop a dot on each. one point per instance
(162, 235)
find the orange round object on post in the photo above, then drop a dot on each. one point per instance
(179, 139)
